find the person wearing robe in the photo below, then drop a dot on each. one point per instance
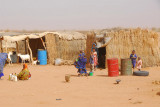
(95, 58)
(80, 63)
(24, 74)
(94, 49)
(3, 57)
(133, 57)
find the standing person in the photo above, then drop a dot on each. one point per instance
(95, 58)
(94, 47)
(91, 62)
(139, 64)
(3, 57)
(133, 57)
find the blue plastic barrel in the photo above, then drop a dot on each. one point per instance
(42, 56)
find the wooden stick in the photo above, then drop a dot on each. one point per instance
(26, 50)
(6, 46)
(43, 43)
(17, 51)
(29, 50)
(1, 46)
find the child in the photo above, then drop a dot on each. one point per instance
(133, 57)
(139, 63)
(95, 58)
(91, 62)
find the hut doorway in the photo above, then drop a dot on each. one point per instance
(102, 57)
(36, 44)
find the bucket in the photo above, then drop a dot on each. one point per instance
(113, 67)
(42, 57)
(67, 77)
(58, 61)
(90, 73)
(126, 67)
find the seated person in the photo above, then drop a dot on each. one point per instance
(24, 74)
(82, 65)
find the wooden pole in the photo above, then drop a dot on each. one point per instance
(1, 47)
(31, 58)
(2, 44)
(26, 50)
(43, 43)
(17, 51)
(6, 46)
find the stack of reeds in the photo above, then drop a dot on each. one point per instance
(91, 38)
(62, 48)
(144, 42)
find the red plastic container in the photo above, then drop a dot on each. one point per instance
(113, 67)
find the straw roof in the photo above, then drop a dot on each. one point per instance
(67, 35)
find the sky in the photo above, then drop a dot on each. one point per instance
(78, 14)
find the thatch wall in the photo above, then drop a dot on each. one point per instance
(62, 48)
(144, 42)
(8, 50)
(22, 47)
(11, 46)
(89, 42)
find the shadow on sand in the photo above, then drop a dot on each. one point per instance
(102, 75)
(74, 76)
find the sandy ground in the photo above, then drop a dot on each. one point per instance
(47, 84)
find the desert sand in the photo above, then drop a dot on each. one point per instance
(47, 88)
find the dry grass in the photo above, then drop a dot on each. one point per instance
(64, 49)
(144, 42)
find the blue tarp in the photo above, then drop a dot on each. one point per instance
(3, 57)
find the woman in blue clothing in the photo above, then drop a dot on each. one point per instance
(82, 54)
(80, 63)
(133, 57)
(3, 57)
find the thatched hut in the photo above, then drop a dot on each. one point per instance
(121, 43)
(64, 45)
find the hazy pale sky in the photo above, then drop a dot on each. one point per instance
(78, 14)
